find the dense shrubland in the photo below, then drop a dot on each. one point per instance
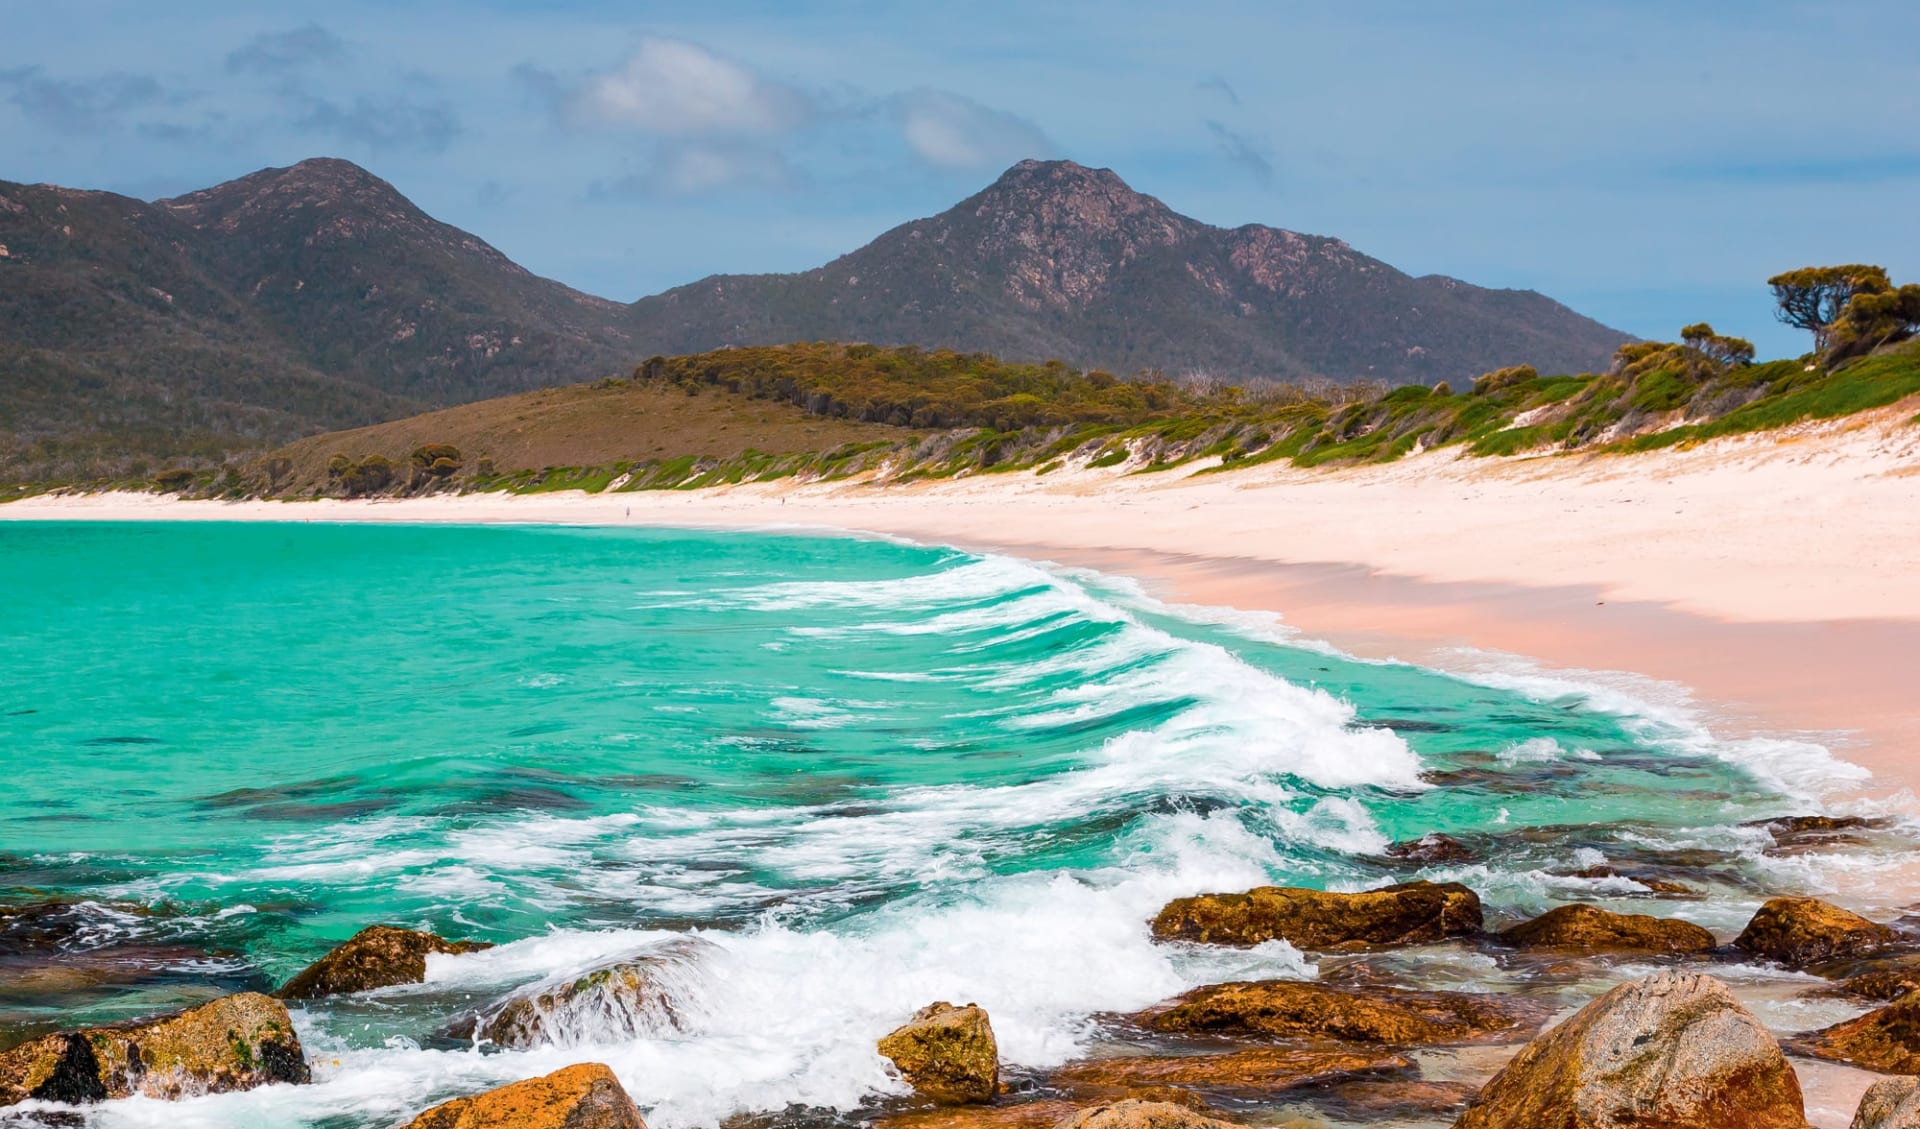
(907, 413)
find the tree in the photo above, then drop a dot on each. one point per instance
(1813, 298)
(1875, 319)
(1712, 353)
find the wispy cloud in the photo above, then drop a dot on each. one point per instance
(698, 168)
(87, 104)
(1220, 86)
(1243, 151)
(277, 52)
(389, 123)
(950, 131)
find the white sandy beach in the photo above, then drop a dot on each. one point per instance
(1775, 576)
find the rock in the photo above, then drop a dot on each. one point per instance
(1796, 834)
(1400, 1098)
(1292, 1009)
(1043, 1114)
(1675, 1050)
(632, 998)
(1887, 1039)
(586, 1096)
(1656, 885)
(947, 1053)
(234, 1043)
(1141, 1115)
(1249, 1074)
(1595, 930)
(1433, 847)
(1797, 932)
(1884, 984)
(1406, 914)
(378, 956)
(1891, 1103)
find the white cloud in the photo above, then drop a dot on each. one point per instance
(682, 89)
(954, 132)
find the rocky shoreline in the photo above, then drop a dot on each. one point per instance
(1672, 1048)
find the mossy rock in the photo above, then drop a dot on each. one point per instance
(1798, 932)
(947, 1053)
(1591, 929)
(233, 1043)
(1293, 1009)
(378, 956)
(1405, 914)
(632, 998)
(586, 1096)
(1886, 1040)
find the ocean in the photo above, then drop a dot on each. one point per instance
(864, 775)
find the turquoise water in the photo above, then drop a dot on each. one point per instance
(870, 774)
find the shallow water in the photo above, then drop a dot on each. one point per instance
(870, 774)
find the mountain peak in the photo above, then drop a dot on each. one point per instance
(318, 183)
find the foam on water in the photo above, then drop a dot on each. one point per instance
(912, 775)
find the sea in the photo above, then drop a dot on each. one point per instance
(839, 777)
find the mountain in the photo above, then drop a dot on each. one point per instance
(287, 302)
(317, 297)
(1058, 260)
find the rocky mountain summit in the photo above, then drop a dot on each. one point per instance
(1058, 260)
(316, 297)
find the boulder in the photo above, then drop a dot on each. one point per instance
(378, 956)
(1406, 914)
(1796, 834)
(1141, 1115)
(233, 1043)
(1250, 1074)
(1883, 984)
(586, 1096)
(947, 1053)
(1433, 847)
(1675, 1050)
(1594, 930)
(628, 999)
(1887, 1040)
(1291, 1009)
(1891, 1103)
(1797, 932)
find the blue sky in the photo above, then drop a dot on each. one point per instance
(1650, 164)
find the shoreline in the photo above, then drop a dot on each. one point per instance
(1772, 577)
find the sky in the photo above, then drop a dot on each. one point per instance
(1649, 164)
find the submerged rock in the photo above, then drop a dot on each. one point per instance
(1795, 834)
(634, 997)
(1041, 1114)
(1433, 847)
(1595, 930)
(1891, 1103)
(1400, 1097)
(1655, 885)
(1249, 1074)
(1405, 914)
(234, 1043)
(586, 1096)
(378, 956)
(947, 1053)
(1797, 932)
(1675, 1051)
(1292, 1009)
(1887, 1039)
(1142, 1115)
